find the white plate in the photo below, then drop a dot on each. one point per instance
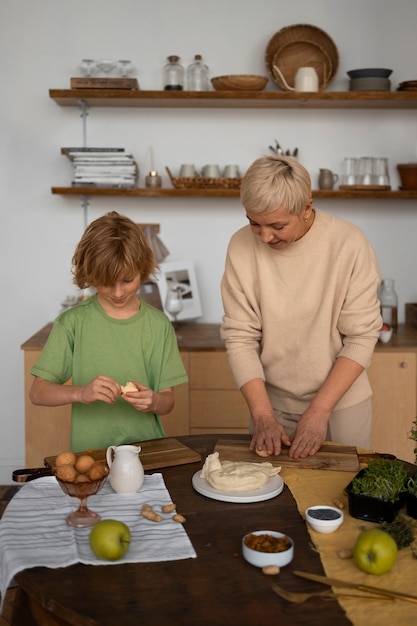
(272, 488)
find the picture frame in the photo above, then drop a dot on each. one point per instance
(181, 275)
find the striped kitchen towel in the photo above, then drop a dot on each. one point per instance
(33, 530)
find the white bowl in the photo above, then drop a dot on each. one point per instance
(385, 335)
(322, 525)
(263, 559)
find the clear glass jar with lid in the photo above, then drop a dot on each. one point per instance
(197, 75)
(173, 74)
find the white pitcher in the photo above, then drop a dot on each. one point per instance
(126, 470)
(306, 79)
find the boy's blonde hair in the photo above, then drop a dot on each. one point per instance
(112, 248)
(274, 182)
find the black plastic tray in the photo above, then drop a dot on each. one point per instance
(373, 509)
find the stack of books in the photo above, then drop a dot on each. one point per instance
(102, 167)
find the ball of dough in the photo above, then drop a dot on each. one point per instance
(65, 458)
(97, 471)
(67, 473)
(84, 463)
(82, 478)
(262, 452)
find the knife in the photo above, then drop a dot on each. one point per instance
(334, 582)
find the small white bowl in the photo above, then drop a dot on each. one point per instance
(263, 559)
(385, 335)
(321, 524)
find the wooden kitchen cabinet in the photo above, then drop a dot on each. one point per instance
(216, 405)
(210, 401)
(393, 376)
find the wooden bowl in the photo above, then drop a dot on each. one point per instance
(239, 82)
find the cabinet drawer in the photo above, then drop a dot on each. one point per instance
(218, 410)
(210, 370)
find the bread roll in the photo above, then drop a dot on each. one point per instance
(128, 387)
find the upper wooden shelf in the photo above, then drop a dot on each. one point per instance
(171, 192)
(236, 99)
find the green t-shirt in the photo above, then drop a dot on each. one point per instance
(85, 342)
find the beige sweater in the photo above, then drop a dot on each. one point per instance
(289, 314)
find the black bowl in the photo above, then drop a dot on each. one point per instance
(374, 72)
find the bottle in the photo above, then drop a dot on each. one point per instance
(197, 75)
(389, 303)
(173, 74)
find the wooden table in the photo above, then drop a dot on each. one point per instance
(217, 588)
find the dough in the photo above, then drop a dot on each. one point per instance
(236, 475)
(262, 452)
(128, 387)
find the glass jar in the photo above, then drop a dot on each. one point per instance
(173, 74)
(197, 75)
(389, 303)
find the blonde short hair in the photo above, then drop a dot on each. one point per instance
(274, 182)
(112, 248)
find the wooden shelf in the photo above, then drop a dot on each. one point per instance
(222, 193)
(236, 99)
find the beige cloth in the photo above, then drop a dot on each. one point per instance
(311, 487)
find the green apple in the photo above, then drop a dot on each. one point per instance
(375, 551)
(110, 539)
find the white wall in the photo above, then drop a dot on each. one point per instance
(41, 44)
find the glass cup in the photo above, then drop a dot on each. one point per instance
(381, 171)
(349, 174)
(367, 171)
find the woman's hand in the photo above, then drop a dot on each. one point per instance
(147, 401)
(310, 433)
(268, 435)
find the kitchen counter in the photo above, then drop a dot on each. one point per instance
(193, 336)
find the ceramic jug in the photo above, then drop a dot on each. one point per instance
(327, 179)
(126, 470)
(305, 79)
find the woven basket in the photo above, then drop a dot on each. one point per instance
(201, 182)
(302, 45)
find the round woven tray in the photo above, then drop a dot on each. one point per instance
(301, 45)
(202, 182)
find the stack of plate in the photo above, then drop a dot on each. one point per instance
(370, 79)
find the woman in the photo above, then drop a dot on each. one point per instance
(301, 315)
(109, 339)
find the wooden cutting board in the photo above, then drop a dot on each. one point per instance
(154, 454)
(330, 456)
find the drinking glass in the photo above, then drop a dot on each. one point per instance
(349, 171)
(173, 302)
(381, 171)
(106, 66)
(88, 67)
(367, 171)
(125, 67)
